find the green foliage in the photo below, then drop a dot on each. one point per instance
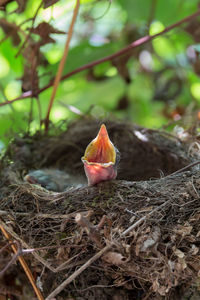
(146, 85)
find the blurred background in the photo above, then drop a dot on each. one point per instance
(155, 85)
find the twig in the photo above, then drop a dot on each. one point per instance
(70, 266)
(102, 222)
(62, 63)
(25, 95)
(66, 263)
(28, 249)
(104, 13)
(183, 169)
(63, 266)
(78, 272)
(144, 218)
(152, 12)
(133, 45)
(25, 245)
(27, 37)
(16, 27)
(14, 258)
(39, 215)
(23, 264)
(25, 251)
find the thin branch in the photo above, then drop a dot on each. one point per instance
(78, 272)
(23, 264)
(14, 257)
(105, 12)
(144, 218)
(62, 63)
(183, 169)
(27, 37)
(152, 12)
(66, 264)
(25, 95)
(38, 215)
(123, 51)
(25, 245)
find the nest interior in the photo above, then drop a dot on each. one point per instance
(145, 226)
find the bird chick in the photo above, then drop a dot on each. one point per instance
(101, 158)
(53, 179)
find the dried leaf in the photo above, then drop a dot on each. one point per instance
(179, 253)
(34, 58)
(147, 241)
(194, 250)
(196, 64)
(121, 64)
(161, 289)
(181, 265)
(63, 254)
(198, 234)
(193, 28)
(3, 4)
(48, 3)
(114, 258)
(30, 80)
(21, 6)
(11, 29)
(123, 103)
(183, 230)
(44, 30)
(195, 217)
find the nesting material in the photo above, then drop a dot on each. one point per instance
(135, 237)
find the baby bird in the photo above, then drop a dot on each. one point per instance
(100, 161)
(54, 180)
(101, 158)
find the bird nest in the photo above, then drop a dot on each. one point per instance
(136, 237)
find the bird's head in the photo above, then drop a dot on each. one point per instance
(101, 158)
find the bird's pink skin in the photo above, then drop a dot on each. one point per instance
(99, 159)
(97, 172)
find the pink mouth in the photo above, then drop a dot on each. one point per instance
(99, 159)
(96, 172)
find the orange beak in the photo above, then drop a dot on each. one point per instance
(100, 158)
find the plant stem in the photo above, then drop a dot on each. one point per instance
(61, 65)
(121, 52)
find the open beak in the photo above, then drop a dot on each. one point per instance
(101, 149)
(100, 158)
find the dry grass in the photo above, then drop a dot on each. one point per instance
(150, 229)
